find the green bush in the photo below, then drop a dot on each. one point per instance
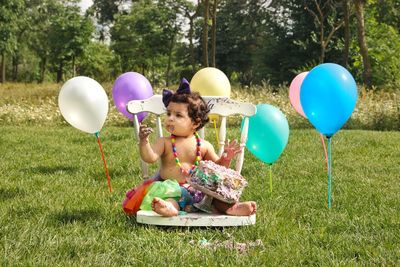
(384, 50)
(35, 103)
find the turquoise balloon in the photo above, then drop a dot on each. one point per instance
(328, 96)
(268, 133)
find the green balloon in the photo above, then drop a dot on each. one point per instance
(268, 133)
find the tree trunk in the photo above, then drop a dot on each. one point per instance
(73, 67)
(205, 33)
(214, 33)
(153, 75)
(171, 46)
(191, 46)
(191, 33)
(3, 67)
(320, 15)
(346, 48)
(60, 72)
(362, 42)
(15, 62)
(322, 54)
(43, 63)
(322, 40)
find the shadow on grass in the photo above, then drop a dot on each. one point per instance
(10, 193)
(72, 216)
(47, 170)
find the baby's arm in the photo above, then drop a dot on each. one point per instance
(149, 153)
(230, 151)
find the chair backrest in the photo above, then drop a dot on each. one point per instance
(221, 106)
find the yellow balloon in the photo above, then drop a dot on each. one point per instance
(213, 117)
(211, 82)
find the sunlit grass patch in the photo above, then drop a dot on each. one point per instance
(55, 208)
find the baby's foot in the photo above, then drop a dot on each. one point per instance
(164, 208)
(243, 209)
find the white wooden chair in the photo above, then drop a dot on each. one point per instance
(221, 106)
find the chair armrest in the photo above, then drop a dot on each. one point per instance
(222, 106)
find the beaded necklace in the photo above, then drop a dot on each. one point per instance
(198, 154)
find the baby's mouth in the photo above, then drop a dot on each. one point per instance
(170, 128)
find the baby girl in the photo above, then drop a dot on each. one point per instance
(181, 152)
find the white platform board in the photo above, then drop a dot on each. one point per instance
(194, 219)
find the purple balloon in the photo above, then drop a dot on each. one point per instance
(131, 86)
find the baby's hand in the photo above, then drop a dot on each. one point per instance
(144, 132)
(231, 149)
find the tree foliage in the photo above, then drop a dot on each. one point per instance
(143, 38)
(251, 41)
(68, 35)
(10, 12)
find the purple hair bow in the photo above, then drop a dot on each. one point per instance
(184, 88)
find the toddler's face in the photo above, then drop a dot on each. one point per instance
(178, 121)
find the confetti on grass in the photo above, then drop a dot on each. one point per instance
(240, 247)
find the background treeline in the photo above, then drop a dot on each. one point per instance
(255, 42)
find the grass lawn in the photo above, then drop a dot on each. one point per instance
(55, 208)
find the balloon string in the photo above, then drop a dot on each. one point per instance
(325, 153)
(215, 129)
(329, 172)
(104, 161)
(270, 178)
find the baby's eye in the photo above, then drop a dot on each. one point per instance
(179, 115)
(168, 113)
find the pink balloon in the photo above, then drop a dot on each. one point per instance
(294, 93)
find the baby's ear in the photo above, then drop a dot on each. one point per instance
(197, 122)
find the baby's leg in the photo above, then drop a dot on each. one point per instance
(242, 209)
(167, 208)
(237, 209)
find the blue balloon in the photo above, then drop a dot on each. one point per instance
(328, 96)
(268, 133)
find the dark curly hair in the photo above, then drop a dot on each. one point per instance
(197, 107)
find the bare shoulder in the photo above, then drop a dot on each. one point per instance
(206, 144)
(209, 152)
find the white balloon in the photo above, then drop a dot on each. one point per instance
(84, 104)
